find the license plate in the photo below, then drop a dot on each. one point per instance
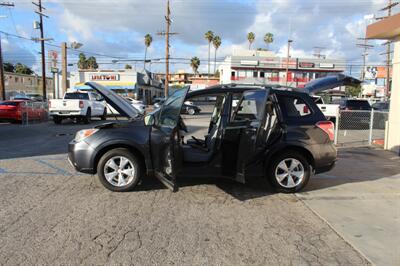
(64, 112)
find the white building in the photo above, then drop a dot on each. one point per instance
(264, 67)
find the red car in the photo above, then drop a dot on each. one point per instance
(15, 110)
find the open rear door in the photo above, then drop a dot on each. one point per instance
(240, 138)
(330, 82)
(165, 140)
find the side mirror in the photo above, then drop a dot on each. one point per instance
(149, 120)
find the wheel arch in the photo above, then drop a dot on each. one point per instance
(135, 151)
(306, 152)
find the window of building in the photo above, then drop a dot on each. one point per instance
(255, 74)
(262, 74)
(241, 73)
(233, 74)
(16, 79)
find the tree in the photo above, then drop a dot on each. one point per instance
(8, 67)
(194, 64)
(82, 63)
(353, 91)
(217, 43)
(209, 36)
(91, 63)
(127, 66)
(147, 42)
(251, 37)
(22, 69)
(268, 39)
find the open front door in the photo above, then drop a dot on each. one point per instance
(165, 140)
(240, 138)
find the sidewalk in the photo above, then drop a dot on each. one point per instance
(360, 199)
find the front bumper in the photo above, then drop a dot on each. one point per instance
(81, 155)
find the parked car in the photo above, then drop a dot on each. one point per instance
(18, 110)
(355, 113)
(137, 104)
(265, 136)
(329, 110)
(190, 109)
(81, 105)
(381, 106)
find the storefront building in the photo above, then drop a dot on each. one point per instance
(264, 67)
(128, 83)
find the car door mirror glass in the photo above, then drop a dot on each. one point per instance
(149, 120)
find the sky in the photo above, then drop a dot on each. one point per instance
(113, 31)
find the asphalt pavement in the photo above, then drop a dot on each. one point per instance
(50, 214)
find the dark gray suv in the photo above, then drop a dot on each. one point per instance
(274, 132)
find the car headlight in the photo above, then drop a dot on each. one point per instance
(83, 134)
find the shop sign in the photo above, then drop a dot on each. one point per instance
(326, 65)
(249, 62)
(306, 65)
(104, 77)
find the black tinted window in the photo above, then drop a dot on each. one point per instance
(9, 103)
(251, 106)
(359, 104)
(293, 107)
(77, 96)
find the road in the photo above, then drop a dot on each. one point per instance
(50, 214)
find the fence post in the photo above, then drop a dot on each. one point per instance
(337, 126)
(371, 127)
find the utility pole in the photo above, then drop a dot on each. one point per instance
(167, 33)
(63, 68)
(287, 60)
(42, 39)
(388, 48)
(364, 46)
(2, 80)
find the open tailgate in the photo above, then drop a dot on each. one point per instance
(330, 82)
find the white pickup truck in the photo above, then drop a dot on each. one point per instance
(80, 105)
(329, 110)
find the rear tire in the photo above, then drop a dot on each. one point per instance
(88, 116)
(57, 120)
(130, 172)
(289, 172)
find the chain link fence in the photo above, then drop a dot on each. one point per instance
(34, 112)
(360, 128)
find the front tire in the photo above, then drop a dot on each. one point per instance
(119, 170)
(289, 172)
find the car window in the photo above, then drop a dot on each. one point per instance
(293, 107)
(317, 100)
(171, 109)
(76, 96)
(9, 103)
(359, 104)
(251, 106)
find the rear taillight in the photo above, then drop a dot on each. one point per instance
(305, 109)
(328, 127)
(81, 104)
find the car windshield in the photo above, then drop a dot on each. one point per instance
(9, 103)
(171, 109)
(76, 96)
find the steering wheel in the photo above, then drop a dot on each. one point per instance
(182, 126)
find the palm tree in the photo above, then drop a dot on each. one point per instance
(209, 36)
(147, 42)
(268, 39)
(251, 37)
(217, 44)
(194, 64)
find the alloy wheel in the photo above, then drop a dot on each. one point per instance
(289, 173)
(119, 171)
